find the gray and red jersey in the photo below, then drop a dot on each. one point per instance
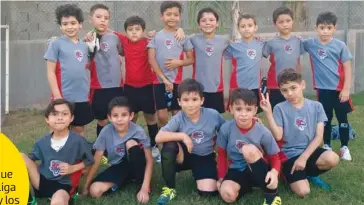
(299, 125)
(232, 138)
(106, 64)
(246, 58)
(284, 53)
(208, 66)
(71, 68)
(327, 63)
(202, 132)
(167, 47)
(110, 140)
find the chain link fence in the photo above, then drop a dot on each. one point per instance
(32, 20)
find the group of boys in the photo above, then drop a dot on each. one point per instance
(248, 153)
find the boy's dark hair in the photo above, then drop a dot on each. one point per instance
(134, 20)
(119, 102)
(170, 4)
(68, 10)
(247, 16)
(289, 75)
(207, 10)
(280, 11)
(190, 85)
(50, 108)
(98, 6)
(246, 95)
(327, 18)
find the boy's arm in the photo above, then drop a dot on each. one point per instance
(345, 93)
(97, 158)
(299, 67)
(274, 119)
(222, 165)
(51, 56)
(148, 169)
(154, 64)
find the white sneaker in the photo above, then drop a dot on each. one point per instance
(155, 152)
(345, 153)
(327, 147)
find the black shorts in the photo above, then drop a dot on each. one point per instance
(330, 101)
(82, 114)
(48, 187)
(100, 99)
(202, 167)
(243, 178)
(160, 100)
(310, 170)
(214, 101)
(142, 99)
(275, 97)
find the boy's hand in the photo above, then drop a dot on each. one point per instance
(344, 95)
(65, 168)
(168, 85)
(259, 38)
(299, 164)
(172, 64)
(218, 184)
(143, 196)
(89, 37)
(272, 178)
(151, 34)
(188, 142)
(257, 119)
(265, 103)
(84, 192)
(180, 34)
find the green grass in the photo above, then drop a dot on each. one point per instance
(24, 127)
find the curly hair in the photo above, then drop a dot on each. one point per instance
(68, 10)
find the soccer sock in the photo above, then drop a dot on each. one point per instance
(169, 155)
(327, 133)
(344, 133)
(137, 163)
(152, 130)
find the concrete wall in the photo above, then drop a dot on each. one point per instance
(29, 87)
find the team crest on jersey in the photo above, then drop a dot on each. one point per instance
(79, 55)
(209, 50)
(239, 144)
(288, 48)
(301, 123)
(168, 43)
(197, 136)
(321, 53)
(119, 149)
(251, 53)
(104, 46)
(54, 167)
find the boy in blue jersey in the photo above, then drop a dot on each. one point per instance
(331, 66)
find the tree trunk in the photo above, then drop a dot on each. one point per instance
(235, 11)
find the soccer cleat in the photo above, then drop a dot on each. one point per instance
(345, 153)
(319, 182)
(276, 201)
(32, 201)
(104, 160)
(166, 196)
(327, 147)
(156, 154)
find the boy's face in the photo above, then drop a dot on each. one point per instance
(60, 119)
(247, 28)
(325, 31)
(70, 26)
(293, 91)
(243, 113)
(100, 20)
(171, 17)
(190, 102)
(134, 32)
(120, 117)
(208, 23)
(284, 24)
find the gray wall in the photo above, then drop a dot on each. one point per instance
(29, 87)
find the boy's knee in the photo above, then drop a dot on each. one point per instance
(131, 143)
(302, 191)
(228, 194)
(170, 147)
(251, 153)
(96, 191)
(332, 159)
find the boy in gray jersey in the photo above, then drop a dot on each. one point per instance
(188, 142)
(166, 57)
(62, 155)
(208, 66)
(299, 124)
(244, 142)
(67, 58)
(129, 154)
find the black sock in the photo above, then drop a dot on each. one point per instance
(169, 155)
(152, 130)
(137, 162)
(327, 133)
(269, 197)
(259, 171)
(344, 134)
(98, 129)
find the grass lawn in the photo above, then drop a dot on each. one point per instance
(26, 126)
